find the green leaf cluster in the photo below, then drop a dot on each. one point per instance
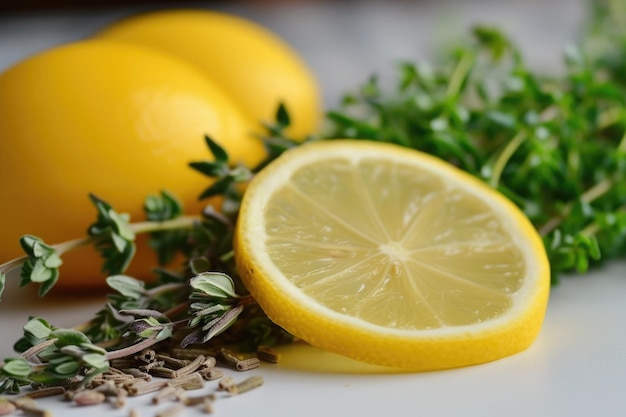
(51, 356)
(114, 238)
(215, 306)
(14, 374)
(42, 264)
(166, 243)
(554, 145)
(132, 296)
(225, 175)
(149, 324)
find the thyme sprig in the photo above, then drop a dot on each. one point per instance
(54, 356)
(193, 304)
(112, 234)
(216, 306)
(555, 146)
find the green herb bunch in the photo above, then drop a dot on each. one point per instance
(556, 146)
(186, 306)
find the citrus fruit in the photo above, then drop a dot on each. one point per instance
(390, 256)
(253, 65)
(117, 120)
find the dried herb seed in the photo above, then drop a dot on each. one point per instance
(6, 407)
(247, 364)
(267, 354)
(246, 385)
(88, 397)
(171, 411)
(46, 392)
(225, 383)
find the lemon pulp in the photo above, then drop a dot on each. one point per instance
(384, 236)
(394, 248)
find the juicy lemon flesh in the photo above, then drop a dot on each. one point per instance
(430, 257)
(391, 257)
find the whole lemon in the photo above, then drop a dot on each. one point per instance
(118, 120)
(252, 64)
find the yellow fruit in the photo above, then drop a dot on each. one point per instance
(391, 257)
(117, 120)
(252, 64)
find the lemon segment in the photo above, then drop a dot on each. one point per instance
(390, 256)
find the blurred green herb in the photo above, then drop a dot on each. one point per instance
(556, 146)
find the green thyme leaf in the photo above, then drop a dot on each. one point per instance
(42, 264)
(225, 177)
(14, 373)
(282, 116)
(114, 237)
(275, 140)
(213, 285)
(212, 324)
(210, 169)
(218, 152)
(38, 329)
(221, 324)
(95, 360)
(127, 286)
(166, 206)
(199, 264)
(166, 243)
(203, 311)
(18, 368)
(67, 368)
(69, 337)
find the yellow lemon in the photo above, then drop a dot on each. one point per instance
(117, 120)
(390, 256)
(252, 64)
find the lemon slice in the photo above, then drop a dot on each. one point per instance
(390, 256)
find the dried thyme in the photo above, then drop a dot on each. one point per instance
(246, 385)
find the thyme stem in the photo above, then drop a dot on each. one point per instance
(161, 289)
(35, 350)
(153, 226)
(130, 350)
(587, 197)
(176, 310)
(505, 156)
(138, 228)
(622, 143)
(460, 73)
(610, 117)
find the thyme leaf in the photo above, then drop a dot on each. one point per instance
(225, 176)
(42, 264)
(114, 238)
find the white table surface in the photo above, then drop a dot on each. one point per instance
(577, 366)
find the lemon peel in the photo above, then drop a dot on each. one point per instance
(391, 257)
